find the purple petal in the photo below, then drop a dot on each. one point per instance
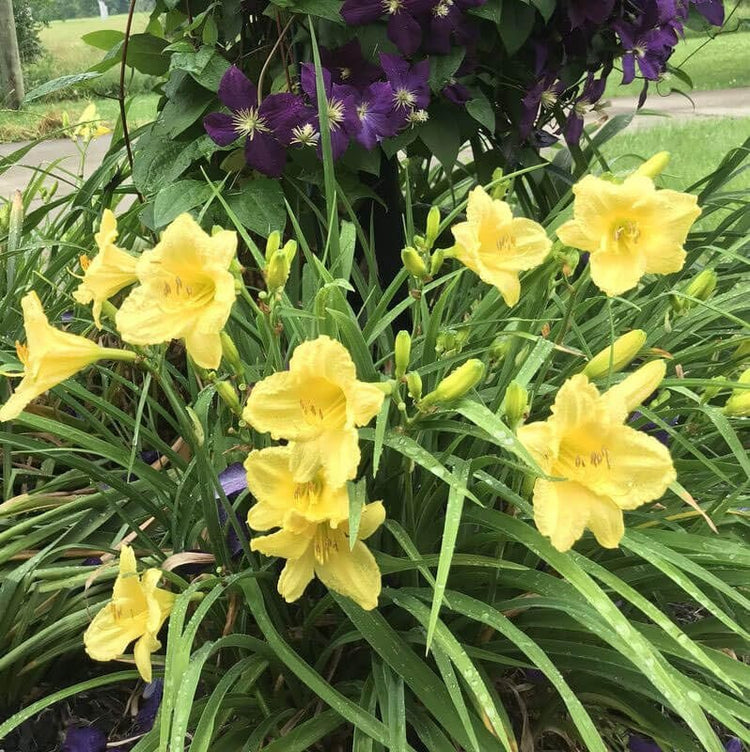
(233, 479)
(348, 65)
(236, 91)
(359, 12)
(734, 744)
(713, 12)
(573, 128)
(405, 32)
(309, 82)
(152, 695)
(628, 68)
(395, 68)
(88, 739)
(639, 744)
(265, 154)
(220, 128)
(283, 112)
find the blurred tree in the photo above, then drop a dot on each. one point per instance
(11, 78)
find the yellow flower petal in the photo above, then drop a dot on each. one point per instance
(496, 246)
(578, 403)
(275, 407)
(283, 543)
(50, 357)
(186, 291)
(336, 452)
(353, 573)
(142, 653)
(107, 637)
(631, 392)
(364, 402)
(296, 576)
(541, 440)
(563, 510)
(373, 516)
(629, 228)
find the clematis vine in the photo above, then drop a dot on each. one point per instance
(267, 127)
(343, 122)
(404, 29)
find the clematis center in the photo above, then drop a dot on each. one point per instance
(549, 98)
(363, 110)
(345, 73)
(335, 113)
(404, 98)
(417, 117)
(249, 122)
(305, 135)
(392, 6)
(442, 9)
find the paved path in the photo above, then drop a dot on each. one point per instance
(728, 103)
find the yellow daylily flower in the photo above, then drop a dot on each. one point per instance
(322, 549)
(186, 291)
(50, 356)
(739, 403)
(497, 246)
(281, 498)
(111, 270)
(89, 125)
(629, 228)
(136, 612)
(317, 405)
(604, 465)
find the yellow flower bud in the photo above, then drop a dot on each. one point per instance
(743, 350)
(414, 263)
(272, 245)
(622, 352)
(653, 167)
(738, 404)
(229, 396)
(403, 353)
(414, 385)
(500, 348)
(277, 271)
(639, 385)
(458, 383)
(701, 287)
(290, 249)
(436, 261)
(516, 403)
(231, 354)
(433, 226)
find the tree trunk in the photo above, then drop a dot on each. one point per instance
(11, 77)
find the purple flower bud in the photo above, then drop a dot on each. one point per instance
(84, 739)
(152, 695)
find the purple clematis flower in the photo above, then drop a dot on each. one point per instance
(592, 92)
(409, 83)
(592, 11)
(377, 119)
(544, 93)
(267, 127)
(711, 10)
(448, 23)
(456, 92)
(404, 29)
(342, 109)
(84, 739)
(152, 695)
(348, 65)
(233, 480)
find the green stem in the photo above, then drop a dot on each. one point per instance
(113, 353)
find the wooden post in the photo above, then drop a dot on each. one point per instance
(11, 77)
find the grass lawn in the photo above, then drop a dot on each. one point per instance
(719, 63)
(41, 118)
(697, 146)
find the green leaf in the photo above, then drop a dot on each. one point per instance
(357, 499)
(442, 140)
(260, 206)
(104, 39)
(146, 54)
(173, 200)
(58, 84)
(482, 111)
(442, 67)
(545, 7)
(328, 9)
(516, 24)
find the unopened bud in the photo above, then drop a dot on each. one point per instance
(499, 191)
(277, 271)
(622, 352)
(456, 384)
(403, 353)
(229, 396)
(640, 385)
(436, 262)
(290, 249)
(433, 226)
(272, 245)
(414, 385)
(231, 354)
(738, 405)
(653, 167)
(500, 348)
(516, 403)
(743, 350)
(713, 389)
(701, 287)
(413, 263)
